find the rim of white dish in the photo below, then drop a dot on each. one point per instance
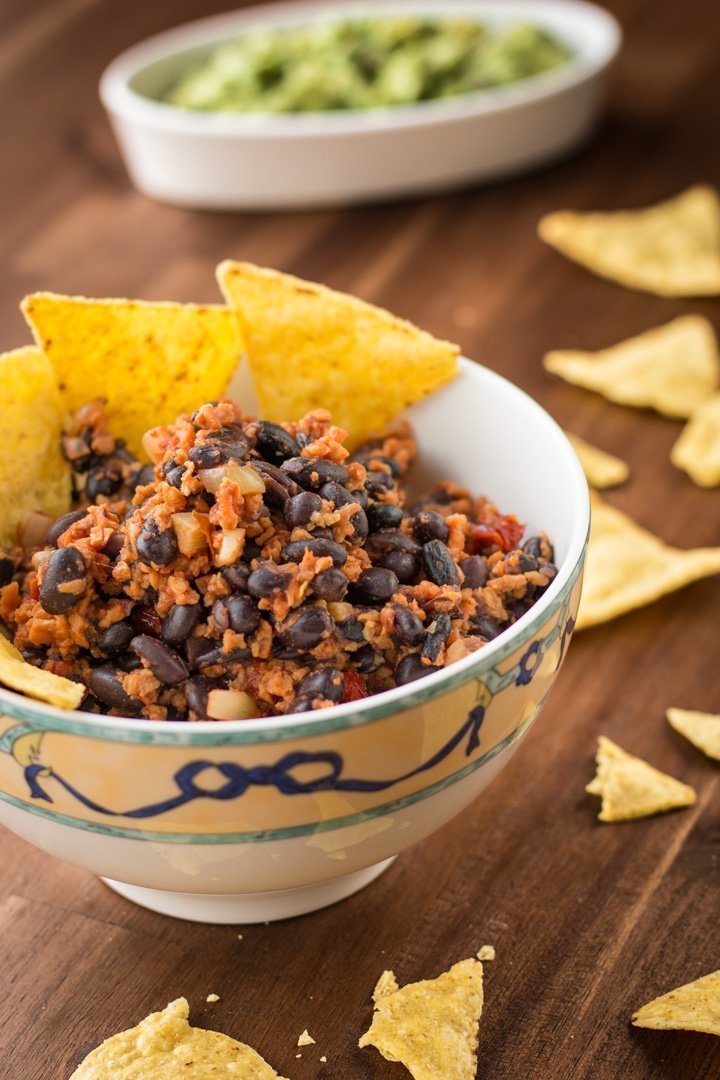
(596, 46)
(353, 713)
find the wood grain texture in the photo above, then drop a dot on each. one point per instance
(589, 921)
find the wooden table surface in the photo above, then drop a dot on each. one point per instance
(589, 921)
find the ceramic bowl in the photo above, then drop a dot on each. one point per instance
(232, 161)
(260, 819)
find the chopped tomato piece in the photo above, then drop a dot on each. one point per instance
(497, 530)
(355, 687)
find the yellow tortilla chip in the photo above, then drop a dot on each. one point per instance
(673, 368)
(700, 728)
(151, 362)
(627, 567)
(630, 788)
(692, 1007)
(697, 450)
(305, 1039)
(602, 470)
(18, 675)
(431, 1027)
(163, 1045)
(672, 248)
(33, 473)
(310, 347)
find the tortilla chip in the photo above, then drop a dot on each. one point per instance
(697, 450)
(692, 1007)
(672, 248)
(164, 1045)
(673, 368)
(34, 682)
(306, 1039)
(33, 472)
(630, 788)
(627, 567)
(431, 1027)
(601, 469)
(310, 347)
(700, 728)
(151, 362)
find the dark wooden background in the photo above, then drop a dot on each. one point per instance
(589, 921)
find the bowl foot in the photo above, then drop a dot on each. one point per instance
(249, 907)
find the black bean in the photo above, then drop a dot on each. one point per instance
(156, 546)
(244, 616)
(402, 563)
(58, 527)
(221, 615)
(549, 570)
(232, 439)
(207, 456)
(366, 660)
(485, 627)
(275, 443)
(526, 563)
(196, 692)
(429, 525)
(301, 705)
(180, 622)
(266, 580)
(330, 584)
(237, 575)
(217, 656)
(105, 683)
(277, 483)
(116, 638)
(300, 508)
(105, 479)
(476, 571)
(324, 683)
(144, 476)
(352, 629)
(439, 565)
(409, 628)
(64, 581)
(322, 532)
(313, 473)
(367, 457)
(538, 546)
(383, 516)
(251, 551)
(437, 634)
(306, 628)
(197, 649)
(378, 483)
(165, 664)
(114, 545)
(7, 569)
(337, 494)
(376, 585)
(380, 544)
(146, 621)
(294, 551)
(411, 668)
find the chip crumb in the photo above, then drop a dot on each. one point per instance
(239, 937)
(487, 952)
(212, 998)
(630, 788)
(323, 1059)
(306, 1039)
(694, 1006)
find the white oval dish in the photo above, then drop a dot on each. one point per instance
(260, 161)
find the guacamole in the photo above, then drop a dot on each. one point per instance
(362, 63)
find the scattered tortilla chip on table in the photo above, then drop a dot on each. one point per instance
(431, 1027)
(305, 1039)
(163, 1045)
(700, 728)
(17, 674)
(33, 473)
(671, 248)
(150, 361)
(692, 1007)
(311, 347)
(673, 368)
(628, 567)
(630, 788)
(602, 470)
(697, 449)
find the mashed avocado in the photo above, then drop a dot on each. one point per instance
(362, 64)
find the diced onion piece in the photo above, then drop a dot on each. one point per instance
(231, 546)
(248, 482)
(33, 529)
(154, 442)
(192, 531)
(230, 705)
